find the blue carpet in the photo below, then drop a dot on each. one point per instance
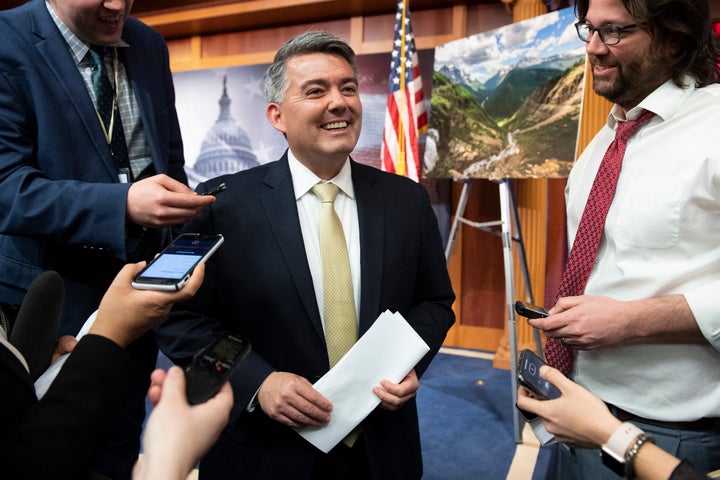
(465, 408)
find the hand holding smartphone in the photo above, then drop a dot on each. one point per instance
(172, 268)
(528, 373)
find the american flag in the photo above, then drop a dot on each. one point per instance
(405, 117)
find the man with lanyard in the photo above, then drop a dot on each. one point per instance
(91, 161)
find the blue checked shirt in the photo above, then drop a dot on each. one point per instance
(138, 150)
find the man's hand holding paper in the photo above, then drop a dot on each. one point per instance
(378, 368)
(393, 396)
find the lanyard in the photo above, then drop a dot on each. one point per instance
(108, 131)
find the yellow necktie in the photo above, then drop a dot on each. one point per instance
(340, 317)
(341, 331)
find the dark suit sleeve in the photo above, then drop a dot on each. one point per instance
(431, 313)
(176, 157)
(58, 435)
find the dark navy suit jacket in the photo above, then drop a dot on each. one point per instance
(58, 436)
(259, 284)
(60, 200)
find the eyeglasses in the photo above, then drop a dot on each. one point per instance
(609, 34)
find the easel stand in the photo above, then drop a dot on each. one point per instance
(508, 224)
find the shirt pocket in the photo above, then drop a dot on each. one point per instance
(650, 215)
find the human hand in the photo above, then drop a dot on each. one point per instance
(394, 395)
(291, 400)
(65, 344)
(178, 434)
(160, 201)
(577, 417)
(125, 313)
(587, 322)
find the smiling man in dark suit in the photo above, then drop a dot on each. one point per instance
(267, 284)
(81, 193)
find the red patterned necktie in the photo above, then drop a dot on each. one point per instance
(587, 239)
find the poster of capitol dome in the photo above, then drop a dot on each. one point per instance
(506, 103)
(222, 116)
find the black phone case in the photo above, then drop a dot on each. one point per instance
(529, 310)
(528, 374)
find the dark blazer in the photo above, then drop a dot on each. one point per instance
(259, 284)
(58, 436)
(62, 205)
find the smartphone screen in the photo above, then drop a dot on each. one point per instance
(172, 268)
(529, 376)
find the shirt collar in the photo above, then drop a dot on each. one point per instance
(303, 178)
(78, 48)
(664, 101)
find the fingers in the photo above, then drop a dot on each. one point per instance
(526, 400)
(194, 283)
(224, 398)
(65, 344)
(157, 378)
(556, 377)
(393, 396)
(160, 201)
(292, 400)
(175, 381)
(169, 183)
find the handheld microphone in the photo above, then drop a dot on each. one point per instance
(35, 330)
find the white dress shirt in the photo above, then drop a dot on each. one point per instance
(662, 237)
(309, 212)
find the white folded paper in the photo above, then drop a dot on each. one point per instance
(388, 350)
(48, 376)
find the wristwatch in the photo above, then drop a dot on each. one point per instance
(622, 439)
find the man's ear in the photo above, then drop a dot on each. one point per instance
(273, 112)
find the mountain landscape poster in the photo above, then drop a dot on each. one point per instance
(506, 103)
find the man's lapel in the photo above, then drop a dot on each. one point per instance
(282, 214)
(53, 50)
(371, 217)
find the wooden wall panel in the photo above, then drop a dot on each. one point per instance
(483, 294)
(481, 18)
(269, 39)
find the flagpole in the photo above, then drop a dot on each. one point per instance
(402, 163)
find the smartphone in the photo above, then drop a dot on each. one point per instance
(529, 310)
(212, 367)
(528, 374)
(172, 268)
(215, 191)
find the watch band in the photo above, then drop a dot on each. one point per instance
(621, 440)
(613, 452)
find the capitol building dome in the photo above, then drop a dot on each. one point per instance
(226, 147)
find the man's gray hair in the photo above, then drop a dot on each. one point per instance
(313, 41)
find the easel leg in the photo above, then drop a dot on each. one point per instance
(508, 223)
